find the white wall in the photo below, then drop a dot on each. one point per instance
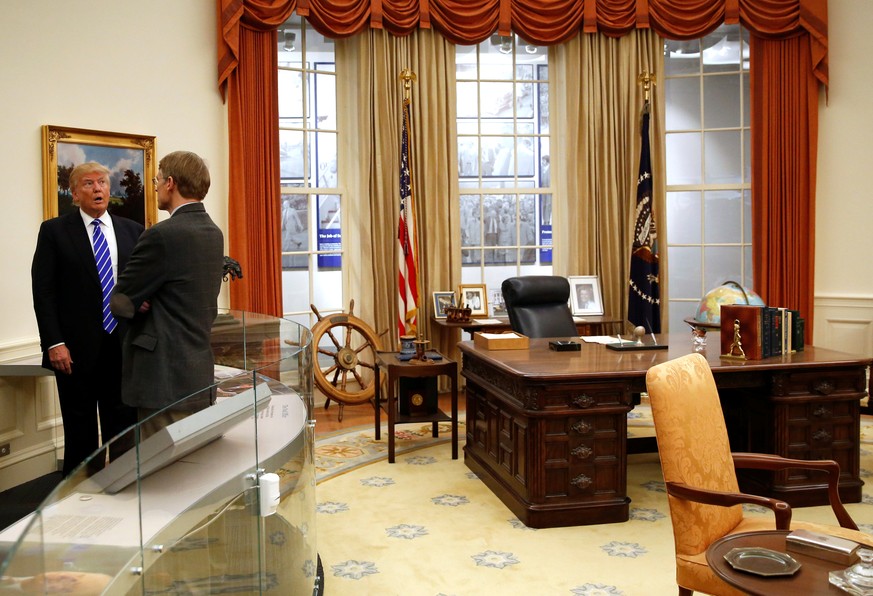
(116, 65)
(844, 201)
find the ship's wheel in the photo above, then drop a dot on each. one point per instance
(349, 377)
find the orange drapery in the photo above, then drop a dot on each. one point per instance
(784, 149)
(246, 34)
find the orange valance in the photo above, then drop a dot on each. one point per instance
(542, 22)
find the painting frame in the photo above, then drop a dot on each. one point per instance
(478, 294)
(442, 300)
(585, 297)
(134, 152)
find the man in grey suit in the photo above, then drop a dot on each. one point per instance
(169, 290)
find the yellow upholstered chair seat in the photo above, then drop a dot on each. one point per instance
(695, 458)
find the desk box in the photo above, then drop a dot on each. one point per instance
(501, 341)
(822, 546)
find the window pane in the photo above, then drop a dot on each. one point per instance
(683, 104)
(291, 155)
(295, 231)
(721, 101)
(290, 94)
(724, 217)
(525, 156)
(685, 274)
(467, 100)
(683, 217)
(683, 158)
(723, 157)
(470, 221)
(295, 290)
(681, 57)
(465, 62)
(497, 100)
(468, 157)
(721, 263)
(524, 94)
(325, 106)
(325, 159)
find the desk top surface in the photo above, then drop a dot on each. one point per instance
(596, 359)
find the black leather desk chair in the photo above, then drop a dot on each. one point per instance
(537, 305)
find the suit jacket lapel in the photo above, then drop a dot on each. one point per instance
(78, 236)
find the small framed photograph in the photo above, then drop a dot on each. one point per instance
(441, 301)
(585, 295)
(475, 297)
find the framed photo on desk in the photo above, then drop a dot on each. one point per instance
(441, 301)
(585, 295)
(474, 296)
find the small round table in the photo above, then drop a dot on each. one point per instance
(809, 580)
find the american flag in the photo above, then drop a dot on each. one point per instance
(407, 278)
(644, 297)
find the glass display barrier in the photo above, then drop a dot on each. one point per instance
(220, 501)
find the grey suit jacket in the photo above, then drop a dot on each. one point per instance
(177, 266)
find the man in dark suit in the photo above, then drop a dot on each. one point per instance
(68, 300)
(169, 290)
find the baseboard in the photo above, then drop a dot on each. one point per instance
(28, 466)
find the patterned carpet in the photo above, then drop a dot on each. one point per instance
(427, 526)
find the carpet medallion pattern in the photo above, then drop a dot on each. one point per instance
(427, 525)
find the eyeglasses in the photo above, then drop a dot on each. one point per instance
(158, 180)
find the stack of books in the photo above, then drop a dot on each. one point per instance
(764, 331)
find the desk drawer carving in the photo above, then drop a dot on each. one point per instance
(834, 383)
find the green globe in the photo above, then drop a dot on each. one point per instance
(709, 308)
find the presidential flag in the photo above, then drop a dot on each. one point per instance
(644, 296)
(407, 279)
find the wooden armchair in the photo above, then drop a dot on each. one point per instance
(699, 471)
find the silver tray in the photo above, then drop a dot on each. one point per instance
(762, 561)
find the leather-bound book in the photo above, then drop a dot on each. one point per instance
(748, 320)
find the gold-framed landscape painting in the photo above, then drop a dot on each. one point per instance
(130, 159)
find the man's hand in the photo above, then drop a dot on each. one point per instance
(59, 356)
(145, 306)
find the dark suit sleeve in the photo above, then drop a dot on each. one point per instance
(144, 274)
(46, 293)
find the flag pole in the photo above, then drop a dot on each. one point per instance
(644, 296)
(408, 78)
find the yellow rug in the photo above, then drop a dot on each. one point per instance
(428, 526)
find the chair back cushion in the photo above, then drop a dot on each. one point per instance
(694, 448)
(537, 305)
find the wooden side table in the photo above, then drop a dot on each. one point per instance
(413, 368)
(810, 579)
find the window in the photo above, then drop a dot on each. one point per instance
(708, 167)
(503, 162)
(310, 180)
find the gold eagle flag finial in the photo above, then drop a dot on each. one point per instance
(647, 80)
(408, 77)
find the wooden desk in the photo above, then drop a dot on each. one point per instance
(587, 325)
(413, 368)
(546, 431)
(810, 580)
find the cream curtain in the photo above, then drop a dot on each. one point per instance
(369, 65)
(597, 106)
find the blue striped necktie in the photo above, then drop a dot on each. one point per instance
(104, 270)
